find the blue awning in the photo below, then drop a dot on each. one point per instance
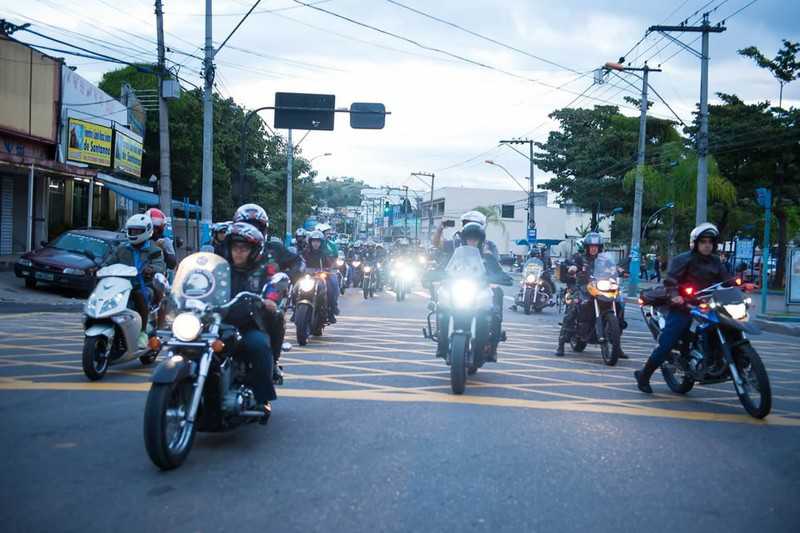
(143, 197)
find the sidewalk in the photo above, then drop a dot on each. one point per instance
(15, 298)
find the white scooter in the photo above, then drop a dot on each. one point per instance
(112, 328)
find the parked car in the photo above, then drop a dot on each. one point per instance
(70, 260)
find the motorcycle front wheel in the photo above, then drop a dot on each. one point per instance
(366, 289)
(677, 379)
(168, 436)
(611, 346)
(459, 345)
(96, 353)
(302, 323)
(756, 395)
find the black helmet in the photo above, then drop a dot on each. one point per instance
(592, 239)
(246, 233)
(473, 230)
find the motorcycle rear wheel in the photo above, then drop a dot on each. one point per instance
(577, 345)
(678, 380)
(459, 345)
(751, 370)
(168, 437)
(302, 323)
(96, 353)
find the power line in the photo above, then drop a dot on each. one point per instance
(480, 36)
(220, 47)
(724, 19)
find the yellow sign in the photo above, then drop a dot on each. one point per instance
(127, 155)
(89, 143)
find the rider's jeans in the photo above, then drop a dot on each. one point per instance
(333, 291)
(675, 327)
(254, 348)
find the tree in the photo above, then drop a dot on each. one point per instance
(492, 214)
(339, 192)
(784, 66)
(592, 151)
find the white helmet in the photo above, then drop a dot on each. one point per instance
(323, 227)
(706, 229)
(139, 229)
(473, 216)
(316, 234)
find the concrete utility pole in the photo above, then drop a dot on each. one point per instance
(208, 133)
(636, 231)
(531, 195)
(289, 180)
(701, 212)
(165, 181)
(405, 213)
(430, 206)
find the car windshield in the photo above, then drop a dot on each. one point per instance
(75, 242)
(605, 266)
(466, 262)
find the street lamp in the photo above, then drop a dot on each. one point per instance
(510, 175)
(615, 211)
(326, 154)
(668, 205)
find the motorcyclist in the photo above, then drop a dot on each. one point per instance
(140, 252)
(243, 246)
(218, 233)
(317, 258)
(165, 243)
(300, 240)
(332, 251)
(274, 258)
(698, 268)
(473, 234)
(579, 273)
(449, 245)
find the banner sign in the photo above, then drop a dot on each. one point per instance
(127, 155)
(89, 143)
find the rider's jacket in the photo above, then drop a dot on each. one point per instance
(275, 257)
(449, 245)
(246, 314)
(697, 270)
(585, 266)
(148, 254)
(317, 259)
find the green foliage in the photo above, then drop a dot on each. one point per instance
(339, 192)
(492, 214)
(784, 66)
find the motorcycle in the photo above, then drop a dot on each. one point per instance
(720, 315)
(111, 327)
(607, 322)
(368, 281)
(356, 272)
(200, 386)
(535, 289)
(402, 274)
(310, 306)
(343, 271)
(463, 315)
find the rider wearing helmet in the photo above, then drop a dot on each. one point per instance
(300, 240)
(448, 245)
(165, 243)
(316, 258)
(332, 251)
(698, 268)
(473, 234)
(218, 233)
(579, 274)
(140, 252)
(242, 249)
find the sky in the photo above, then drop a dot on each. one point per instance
(452, 95)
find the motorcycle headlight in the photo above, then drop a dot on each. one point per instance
(356, 264)
(407, 273)
(186, 327)
(339, 262)
(464, 292)
(607, 285)
(306, 284)
(422, 259)
(367, 269)
(25, 262)
(530, 278)
(736, 311)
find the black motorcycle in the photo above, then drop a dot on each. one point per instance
(536, 288)
(310, 305)
(200, 386)
(604, 326)
(368, 280)
(463, 315)
(716, 349)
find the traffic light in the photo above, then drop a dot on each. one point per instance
(387, 209)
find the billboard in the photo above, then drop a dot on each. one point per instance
(127, 154)
(89, 143)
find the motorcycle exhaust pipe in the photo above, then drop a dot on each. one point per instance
(253, 414)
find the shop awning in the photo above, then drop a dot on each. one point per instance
(143, 197)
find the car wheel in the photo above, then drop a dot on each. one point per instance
(30, 283)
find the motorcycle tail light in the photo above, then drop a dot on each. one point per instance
(641, 302)
(217, 345)
(738, 281)
(154, 343)
(688, 291)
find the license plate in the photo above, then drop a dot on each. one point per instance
(44, 275)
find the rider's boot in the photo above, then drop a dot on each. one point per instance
(643, 377)
(563, 337)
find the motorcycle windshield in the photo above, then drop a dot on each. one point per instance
(605, 266)
(466, 262)
(534, 266)
(203, 276)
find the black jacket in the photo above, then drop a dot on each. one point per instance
(317, 259)
(696, 270)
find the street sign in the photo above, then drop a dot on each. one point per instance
(531, 235)
(301, 111)
(367, 116)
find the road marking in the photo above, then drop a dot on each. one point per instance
(432, 397)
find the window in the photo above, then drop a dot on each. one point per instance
(507, 211)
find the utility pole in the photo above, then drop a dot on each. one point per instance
(405, 214)
(701, 212)
(289, 180)
(636, 231)
(531, 195)
(430, 205)
(208, 132)
(165, 183)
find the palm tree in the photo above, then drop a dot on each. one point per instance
(492, 214)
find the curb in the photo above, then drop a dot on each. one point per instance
(9, 307)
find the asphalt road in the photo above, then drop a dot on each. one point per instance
(367, 437)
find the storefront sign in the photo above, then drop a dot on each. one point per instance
(127, 155)
(89, 143)
(793, 277)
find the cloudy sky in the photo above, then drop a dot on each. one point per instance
(448, 113)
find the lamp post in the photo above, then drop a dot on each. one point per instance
(510, 175)
(615, 211)
(326, 154)
(668, 205)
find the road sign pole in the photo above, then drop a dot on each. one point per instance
(289, 161)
